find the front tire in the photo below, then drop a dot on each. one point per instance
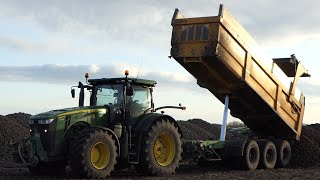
(93, 155)
(161, 149)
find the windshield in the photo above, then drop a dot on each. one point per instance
(109, 95)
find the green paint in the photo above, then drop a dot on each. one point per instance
(53, 142)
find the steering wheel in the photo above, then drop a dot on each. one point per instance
(115, 102)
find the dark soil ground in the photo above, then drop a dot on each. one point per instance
(186, 171)
(305, 162)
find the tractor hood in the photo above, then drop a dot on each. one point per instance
(63, 112)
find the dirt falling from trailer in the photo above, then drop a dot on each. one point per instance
(306, 153)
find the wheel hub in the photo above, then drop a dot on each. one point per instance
(164, 149)
(100, 155)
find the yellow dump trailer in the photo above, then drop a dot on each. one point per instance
(225, 59)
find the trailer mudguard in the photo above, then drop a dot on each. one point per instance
(234, 148)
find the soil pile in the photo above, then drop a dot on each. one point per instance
(198, 129)
(306, 152)
(12, 129)
(21, 118)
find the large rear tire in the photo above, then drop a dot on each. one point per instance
(93, 155)
(268, 155)
(250, 159)
(283, 153)
(161, 149)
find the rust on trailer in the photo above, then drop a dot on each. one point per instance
(226, 60)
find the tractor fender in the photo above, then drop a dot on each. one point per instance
(114, 136)
(146, 122)
(234, 148)
(69, 130)
(83, 123)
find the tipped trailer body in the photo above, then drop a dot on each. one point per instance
(225, 59)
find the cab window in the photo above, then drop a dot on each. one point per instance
(139, 102)
(109, 95)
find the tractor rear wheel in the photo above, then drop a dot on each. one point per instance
(250, 159)
(283, 153)
(161, 149)
(93, 155)
(268, 155)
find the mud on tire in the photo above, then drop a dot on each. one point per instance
(251, 156)
(93, 154)
(283, 153)
(268, 155)
(161, 149)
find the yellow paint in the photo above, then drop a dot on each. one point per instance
(100, 155)
(164, 149)
(83, 111)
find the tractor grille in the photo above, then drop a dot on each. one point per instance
(46, 133)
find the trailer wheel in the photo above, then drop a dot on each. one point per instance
(251, 156)
(283, 153)
(93, 155)
(268, 156)
(161, 149)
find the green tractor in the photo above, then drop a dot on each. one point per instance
(119, 129)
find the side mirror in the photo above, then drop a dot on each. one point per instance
(129, 90)
(72, 93)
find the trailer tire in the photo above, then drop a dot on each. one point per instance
(251, 156)
(283, 153)
(268, 155)
(161, 149)
(93, 154)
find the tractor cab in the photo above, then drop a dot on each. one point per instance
(126, 97)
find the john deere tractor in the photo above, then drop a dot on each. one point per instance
(120, 128)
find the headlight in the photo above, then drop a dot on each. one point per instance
(46, 121)
(31, 121)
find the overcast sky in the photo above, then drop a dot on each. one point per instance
(47, 46)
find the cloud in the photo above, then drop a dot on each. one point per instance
(50, 45)
(28, 45)
(278, 22)
(310, 87)
(148, 21)
(68, 74)
(101, 20)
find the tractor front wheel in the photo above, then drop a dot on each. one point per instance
(93, 155)
(161, 149)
